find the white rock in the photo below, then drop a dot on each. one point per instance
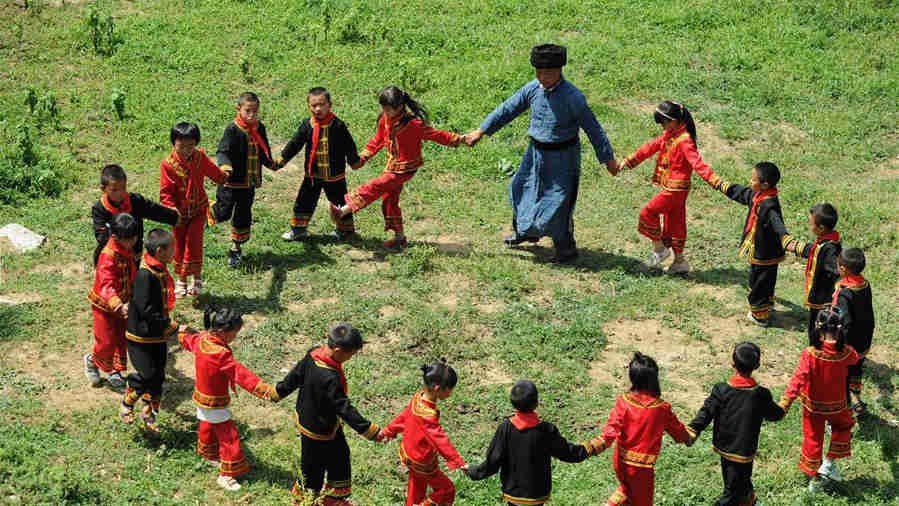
(21, 238)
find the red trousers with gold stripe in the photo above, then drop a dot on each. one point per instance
(672, 206)
(110, 347)
(220, 441)
(637, 485)
(387, 187)
(188, 259)
(444, 491)
(813, 438)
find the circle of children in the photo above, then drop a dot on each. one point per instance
(133, 296)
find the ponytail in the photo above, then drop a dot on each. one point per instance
(669, 110)
(831, 322)
(396, 98)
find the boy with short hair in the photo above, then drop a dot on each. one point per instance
(116, 199)
(110, 295)
(522, 450)
(821, 269)
(321, 409)
(853, 298)
(738, 408)
(149, 329)
(329, 148)
(242, 152)
(764, 238)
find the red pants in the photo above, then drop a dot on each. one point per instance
(637, 485)
(444, 491)
(388, 187)
(673, 206)
(813, 438)
(189, 246)
(220, 441)
(110, 347)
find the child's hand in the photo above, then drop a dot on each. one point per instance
(278, 164)
(123, 310)
(613, 167)
(183, 328)
(473, 137)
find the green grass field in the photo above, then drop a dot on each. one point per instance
(810, 85)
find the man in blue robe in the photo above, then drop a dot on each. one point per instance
(544, 190)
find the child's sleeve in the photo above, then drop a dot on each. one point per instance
(841, 301)
(146, 310)
(146, 208)
(188, 341)
(101, 231)
(397, 425)
(496, 454)
(375, 143)
(450, 139)
(771, 411)
(296, 142)
(642, 153)
(352, 152)
(510, 109)
(598, 139)
(108, 289)
(694, 160)
(737, 192)
(612, 429)
(265, 159)
(247, 379)
(345, 410)
(560, 448)
(434, 433)
(212, 171)
(800, 378)
(168, 187)
(675, 428)
(293, 380)
(776, 222)
(707, 413)
(223, 153)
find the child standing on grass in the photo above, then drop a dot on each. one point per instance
(765, 237)
(820, 382)
(242, 152)
(181, 187)
(116, 199)
(853, 298)
(737, 408)
(113, 285)
(821, 269)
(217, 375)
(322, 408)
(676, 161)
(150, 328)
(637, 422)
(522, 450)
(424, 439)
(402, 127)
(329, 148)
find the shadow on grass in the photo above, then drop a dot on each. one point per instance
(862, 489)
(882, 376)
(794, 319)
(270, 303)
(721, 276)
(588, 259)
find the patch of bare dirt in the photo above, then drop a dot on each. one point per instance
(74, 270)
(489, 307)
(19, 298)
(299, 306)
(720, 294)
(388, 312)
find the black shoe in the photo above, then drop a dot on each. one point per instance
(565, 256)
(294, 234)
(342, 235)
(515, 239)
(235, 258)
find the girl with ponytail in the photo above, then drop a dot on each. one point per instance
(217, 374)
(424, 439)
(677, 159)
(402, 126)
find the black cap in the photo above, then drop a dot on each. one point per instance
(345, 336)
(549, 56)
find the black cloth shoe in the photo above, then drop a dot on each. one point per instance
(235, 258)
(342, 235)
(294, 234)
(565, 256)
(515, 239)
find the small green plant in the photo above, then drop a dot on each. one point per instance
(27, 171)
(31, 99)
(506, 167)
(101, 31)
(244, 64)
(118, 101)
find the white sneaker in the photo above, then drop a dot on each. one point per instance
(655, 258)
(829, 470)
(814, 485)
(679, 268)
(91, 371)
(228, 483)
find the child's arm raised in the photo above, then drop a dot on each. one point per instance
(707, 413)
(146, 208)
(293, 380)
(736, 192)
(396, 426)
(375, 143)
(434, 433)
(676, 429)
(212, 171)
(248, 380)
(642, 153)
(611, 431)
(695, 161)
(444, 137)
(560, 448)
(496, 454)
(345, 410)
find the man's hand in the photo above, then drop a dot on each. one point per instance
(473, 137)
(613, 167)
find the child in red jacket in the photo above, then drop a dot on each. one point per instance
(424, 439)
(637, 422)
(401, 132)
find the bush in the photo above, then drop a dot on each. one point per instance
(26, 170)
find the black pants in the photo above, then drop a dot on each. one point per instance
(854, 378)
(148, 360)
(737, 484)
(235, 205)
(762, 280)
(331, 457)
(307, 200)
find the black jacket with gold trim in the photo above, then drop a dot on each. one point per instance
(233, 157)
(148, 318)
(141, 208)
(342, 150)
(738, 408)
(771, 235)
(858, 315)
(823, 275)
(321, 401)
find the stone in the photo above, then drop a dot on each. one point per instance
(21, 238)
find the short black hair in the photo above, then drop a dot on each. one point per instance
(123, 226)
(746, 357)
(318, 91)
(343, 335)
(439, 374)
(768, 173)
(524, 396)
(644, 374)
(221, 318)
(158, 238)
(852, 259)
(825, 215)
(112, 173)
(185, 130)
(830, 322)
(247, 96)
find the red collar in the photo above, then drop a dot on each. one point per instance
(739, 381)
(123, 207)
(119, 249)
(524, 421)
(321, 354)
(853, 281)
(830, 236)
(186, 164)
(643, 397)
(156, 265)
(833, 235)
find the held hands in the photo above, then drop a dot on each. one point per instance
(279, 163)
(123, 310)
(613, 167)
(473, 137)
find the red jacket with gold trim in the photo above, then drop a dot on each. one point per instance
(181, 182)
(820, 379)
(677, 160)
(403, 137)
(114, 281)
(218, 372)
(423, 437)
(637, 422)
